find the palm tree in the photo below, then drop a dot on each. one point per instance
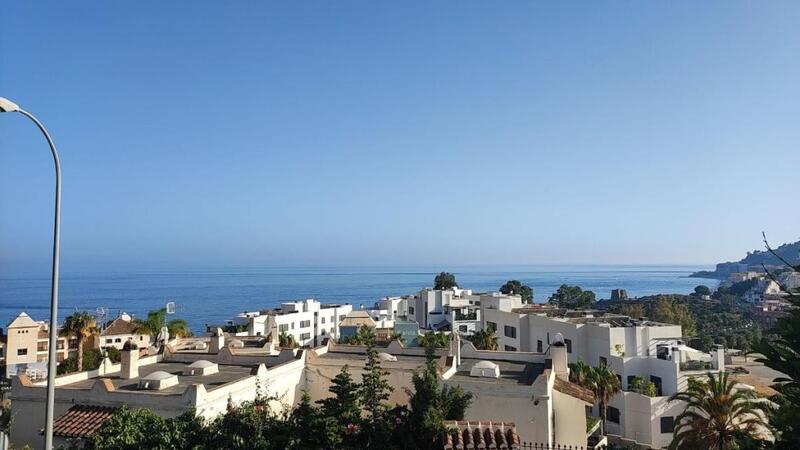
(79, 325)
(157, 319)
(484, 340)
(605, 384)
(580, 373)
(717, 415)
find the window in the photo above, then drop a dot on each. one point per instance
(539, 346)
(141, 338)
(118, 340)
(42, 346)
(305, 323)
(509, 348)
(510, 331)
(667, 424)
(603, 361)
(109, 341)
(322, 332)
(411, 310)
(491, 326)
(569, 345)
(283, 328)
(630, 380)
(322, 320)
(293, 325)
(305, 336)
(22, 351)
(613, 414)
(333, 319)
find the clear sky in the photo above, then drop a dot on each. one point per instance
(241, 133)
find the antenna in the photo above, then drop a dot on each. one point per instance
(170, 307)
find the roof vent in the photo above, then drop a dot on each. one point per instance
(201, 368)
(485, 369)
(158, 380)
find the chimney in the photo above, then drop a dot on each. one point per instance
(130, 361)
(677, 356)
(558, 353)
(217, 341)
(718, 357)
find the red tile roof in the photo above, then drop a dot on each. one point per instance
(119, 326)
(573, 390)
(82, 420)
(475, 434)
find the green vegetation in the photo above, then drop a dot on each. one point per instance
(717, 415)
(287, 341)
(91, 358)
(484, 340)
(572, 297)
(702, 290)
(363, 335)
(515, 287)
(445, 280)
(80, 325)
(601, 380)
(157, 319)
(437, 339)
(638, 384)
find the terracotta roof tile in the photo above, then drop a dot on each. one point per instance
(474, 434)
(573, 390)
(82, 420)
(119, 326)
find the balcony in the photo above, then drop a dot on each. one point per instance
(696, 365)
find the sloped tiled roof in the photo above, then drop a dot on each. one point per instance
(82, 420)
(357, 319)
(573, 390)
(119, 326)
(479, 434)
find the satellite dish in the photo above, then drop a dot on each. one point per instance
(170, 307)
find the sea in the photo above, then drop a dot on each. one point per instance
(213, 296)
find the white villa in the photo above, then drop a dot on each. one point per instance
(308, 321)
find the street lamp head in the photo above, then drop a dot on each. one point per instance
(7, 105)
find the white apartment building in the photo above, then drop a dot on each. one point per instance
(651, 351)
(308, 321)
(456, 309)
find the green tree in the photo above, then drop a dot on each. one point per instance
(80, 325)
(310, 429)
(717, 416)
(605, 384)
(484, 340)
(157, 319)
(572, 297)
(437, 339)
(430, 405)
(445, 280)
(375, 391)
(362, 336)
(702, 290)
(134, 430)
(580, 373)
(345, 403)
(515, 287)
(286, 341)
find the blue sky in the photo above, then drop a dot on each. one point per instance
(217, 134)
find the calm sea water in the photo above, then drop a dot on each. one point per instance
(215, 295)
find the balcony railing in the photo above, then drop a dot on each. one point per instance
(696, 365)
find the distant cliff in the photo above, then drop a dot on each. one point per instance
(753, 262)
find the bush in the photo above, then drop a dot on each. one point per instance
(91, 361)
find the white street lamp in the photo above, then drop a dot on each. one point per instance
(9, 106)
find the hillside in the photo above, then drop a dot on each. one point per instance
(753, 261)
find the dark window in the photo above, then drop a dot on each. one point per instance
(613, 414)
(667, 424)
(462, 328)
(411, 310)
(569, 345)
(491, 326)
(109, 341)
(539, 346)
(22, 351)
(510, 331)
(603, 361)
(510, 348)
(548, 338)
(630, 380)
(304, 336)
(657, 382)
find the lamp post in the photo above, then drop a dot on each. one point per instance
(9, 106)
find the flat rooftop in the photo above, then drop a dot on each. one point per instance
(511, 372)
(226, 374)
